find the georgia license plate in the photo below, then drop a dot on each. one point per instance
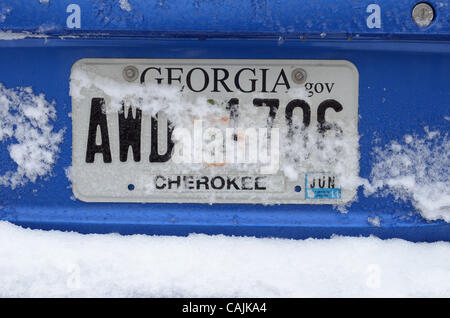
(215, 131)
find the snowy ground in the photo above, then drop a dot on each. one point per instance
(40, 263)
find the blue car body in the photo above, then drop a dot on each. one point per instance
(403, 87)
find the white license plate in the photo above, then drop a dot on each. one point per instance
(214, 131)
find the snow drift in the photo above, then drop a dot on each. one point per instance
(36, 263)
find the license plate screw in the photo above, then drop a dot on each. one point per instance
(423, 14)
(299, 76)
(130, 73)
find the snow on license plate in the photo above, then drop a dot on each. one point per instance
(214, 131)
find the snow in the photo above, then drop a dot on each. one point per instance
(151, 98)
(26, 124)
(375, 221)
(37, 263)
(417, 169)
(4, 12)
(10, 35)
(125, 5)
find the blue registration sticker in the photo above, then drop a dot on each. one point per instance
(321, 185)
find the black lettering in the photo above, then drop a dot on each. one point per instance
(154, 152)
(257, 185)
(98, 119)
(163, 185)
(222, 80)
(264, 80)
(273, 105)
(245, 182)
(329, 103)
(177, 182)
(329, 87)
(205, 80)
(130, 134)
(308, 87)
(252, 81)
(331, 183)
(204, 182)
(285, 81)
(158, 80)
(213, 183)
(231, 182)
(169, 75)
(322, 182)
(318, 88)
(188, 182)
(290, 110)
(233, 108)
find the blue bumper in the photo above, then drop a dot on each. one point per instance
(404, 86)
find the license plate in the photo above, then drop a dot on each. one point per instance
(214, 131)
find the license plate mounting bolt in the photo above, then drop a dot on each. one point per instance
(423, 14)
(130, 73)
(299, 75)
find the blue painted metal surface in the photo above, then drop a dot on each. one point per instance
(404, 86)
